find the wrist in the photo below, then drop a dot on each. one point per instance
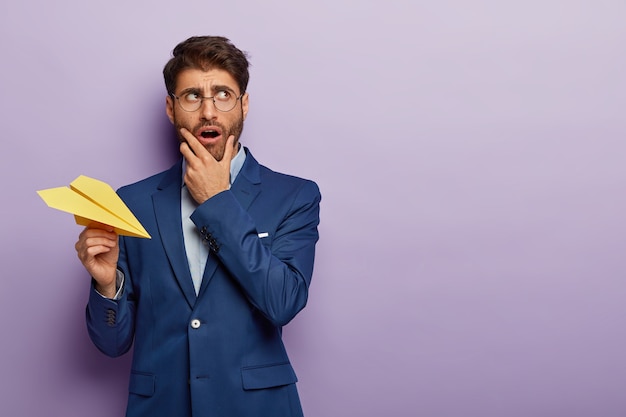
(107, 291)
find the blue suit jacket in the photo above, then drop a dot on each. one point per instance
(219, 353)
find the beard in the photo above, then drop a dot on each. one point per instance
(217, 149)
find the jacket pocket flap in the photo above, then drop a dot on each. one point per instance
(141, 384)
(259, 377)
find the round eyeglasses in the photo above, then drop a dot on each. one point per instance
(223, 100)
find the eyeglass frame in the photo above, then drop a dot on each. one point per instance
(202, 98)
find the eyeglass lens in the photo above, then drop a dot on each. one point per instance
(223, 100)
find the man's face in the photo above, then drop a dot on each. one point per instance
(210, 126)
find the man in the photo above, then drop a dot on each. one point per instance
(229, 263)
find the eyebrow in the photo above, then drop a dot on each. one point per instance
(214, 89)
(217, 88)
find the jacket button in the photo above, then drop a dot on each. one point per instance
(195, 323)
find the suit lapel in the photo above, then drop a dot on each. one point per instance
(247, 185)
(167, 210)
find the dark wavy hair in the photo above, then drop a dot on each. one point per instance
(206, 53)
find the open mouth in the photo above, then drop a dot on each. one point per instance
(209, 134)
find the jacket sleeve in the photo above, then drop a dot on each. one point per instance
(275, 278)
(110, 323)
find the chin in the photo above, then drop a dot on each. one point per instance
(217, 151)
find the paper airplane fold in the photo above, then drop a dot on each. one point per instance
(91, 200)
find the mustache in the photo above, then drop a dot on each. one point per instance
(209, 124)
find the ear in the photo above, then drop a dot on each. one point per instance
(244, 105)
(169, 108)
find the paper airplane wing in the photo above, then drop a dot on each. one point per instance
(92, 200)
(102, 194)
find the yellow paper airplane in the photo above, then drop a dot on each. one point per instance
(92, 200)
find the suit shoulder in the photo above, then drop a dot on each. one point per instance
(288, 182)
(139, 189)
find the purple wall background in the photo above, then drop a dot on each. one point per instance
(471, 157)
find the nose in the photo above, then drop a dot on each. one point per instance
(207, 109)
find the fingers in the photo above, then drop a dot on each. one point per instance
(99, 226)
(205, 176)
(92, 241)
(229, 150)
(190, 146)
(98, 250)
(98, 230)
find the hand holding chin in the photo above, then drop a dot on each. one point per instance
(205, 176)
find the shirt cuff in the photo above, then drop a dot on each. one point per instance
(119, 286)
